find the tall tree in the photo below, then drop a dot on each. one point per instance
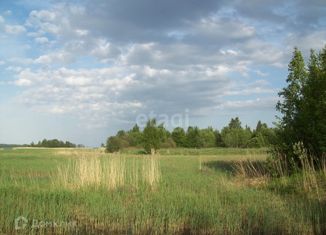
(303, 107)
(312, 121)
(179, 136)
(289, 106)
(153, 136)
(235, 123)
(193, 137)
(234, 135)
(292, 94)
(218, 139)
(208, 137)
(135, 136)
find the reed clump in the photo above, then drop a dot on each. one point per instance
(111, 172)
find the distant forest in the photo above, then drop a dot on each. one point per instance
(54, 143)
(155, 136)
(9, 146)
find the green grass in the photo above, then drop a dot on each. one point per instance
(196, 194)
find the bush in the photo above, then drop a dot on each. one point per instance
(115, 144)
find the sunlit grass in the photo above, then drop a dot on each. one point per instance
(163, 194)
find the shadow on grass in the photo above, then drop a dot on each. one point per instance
(305, 206)
(248, 168)
(225, 166)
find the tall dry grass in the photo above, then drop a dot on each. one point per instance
(150, 171)
(110, 172)
(114, 172)
(310, 177)
(248, 168)
(313, 173)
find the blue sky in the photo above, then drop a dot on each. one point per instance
(81, 70)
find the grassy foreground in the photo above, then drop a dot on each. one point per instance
(195, 192)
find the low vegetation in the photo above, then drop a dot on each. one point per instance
(170, 194)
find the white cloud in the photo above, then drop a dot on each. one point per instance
(56, 21)
(23, 82)
(60, 57)
(43, 15)
(250, 104)
(78, 81)
(229, 52)
(82, 32)
(218, 70)
(152, 72)
(104, 49)
(41, 40)
(315, 40)
(57, 110)
(258, 87)
(117, 91)
(14, 29)
(224, 30)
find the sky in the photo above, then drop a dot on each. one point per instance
(81, 70)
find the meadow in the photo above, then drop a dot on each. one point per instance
(178, 191)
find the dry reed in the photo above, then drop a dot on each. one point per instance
(110, 172)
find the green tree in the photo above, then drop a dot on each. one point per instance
(260, 126)
(135, 136)
(166, 137)
(235, 123)
(179, 136)
(218, 139)
(153, 136)
(312, 121)
(193, 138)
(303, 107)
(289, 107)
(262, 136)
(234, 135)
(208, 138)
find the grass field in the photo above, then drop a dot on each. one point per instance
(175, 192)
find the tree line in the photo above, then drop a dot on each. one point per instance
(54, 143)
(155, 136)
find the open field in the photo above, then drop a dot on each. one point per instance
(86, 191)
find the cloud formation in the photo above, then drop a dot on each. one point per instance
(95, 60)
